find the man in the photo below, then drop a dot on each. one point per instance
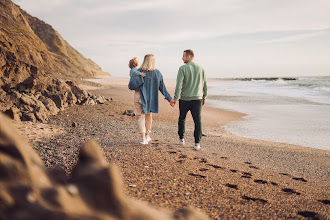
(192, 89)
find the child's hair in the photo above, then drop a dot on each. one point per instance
(133, 63)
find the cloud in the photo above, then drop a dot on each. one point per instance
(118, 29)
(296, 37)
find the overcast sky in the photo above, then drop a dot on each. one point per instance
(230, 38)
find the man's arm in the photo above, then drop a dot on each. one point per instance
(178, 87)
(204, 88)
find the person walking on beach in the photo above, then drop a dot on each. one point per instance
(133, 63)
(191, 87)
(148, 95)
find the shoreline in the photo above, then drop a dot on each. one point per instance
(283, 112)
(230, 177)
(215, 119)
(227, 115)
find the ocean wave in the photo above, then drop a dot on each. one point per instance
(315, 89)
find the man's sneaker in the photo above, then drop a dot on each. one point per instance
(197, 146)
(148, 138)
(181, 142)
(144, 141)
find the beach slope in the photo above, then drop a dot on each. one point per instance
(229, 178)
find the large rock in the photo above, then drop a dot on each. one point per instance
(50, 105)
(30, 191)
(43, 96)
(41, 113)
(13, 113)
(81, 94)
(28, 116)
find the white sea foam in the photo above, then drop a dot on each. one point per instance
(295, 111)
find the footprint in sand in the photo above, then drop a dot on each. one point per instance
(180, 161)
(225, 158)
(172, 152)
(260, 181)
(309, 215)
(254, 167)
(183, 156)
(274, 184)
(246, 174)
(290, 191)
(203, 160)
(284, 174)
(203, 169)
(233, 186)
(233, 171)
(325, 201)
(215, 166)
(254, 199)
(248, 163)
(299, 179)
(155, 144)
(197, 175)
(247, 177)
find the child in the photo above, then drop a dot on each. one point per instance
(133, 63)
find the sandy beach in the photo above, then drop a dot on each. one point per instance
(230, 177)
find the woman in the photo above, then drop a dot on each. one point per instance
(146, 101)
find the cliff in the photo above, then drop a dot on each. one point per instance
(34, 60)
(28, 41)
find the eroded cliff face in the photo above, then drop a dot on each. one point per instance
(33, 58)
(36, 43)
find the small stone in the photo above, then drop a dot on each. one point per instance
(72, 189)
(30, 197)
(132, 186)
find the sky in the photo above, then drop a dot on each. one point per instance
(230, 38)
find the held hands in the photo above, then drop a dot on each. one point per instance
(172, 102)
(142, 74)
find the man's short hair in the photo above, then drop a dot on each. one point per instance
(189, 53)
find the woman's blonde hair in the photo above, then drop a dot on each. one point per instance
(148, 63)
(133, 63)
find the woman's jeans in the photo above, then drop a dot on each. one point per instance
(195, 107)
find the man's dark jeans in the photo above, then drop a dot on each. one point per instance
(195, 107)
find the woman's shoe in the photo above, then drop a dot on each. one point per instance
(148, 138)
(144, 141)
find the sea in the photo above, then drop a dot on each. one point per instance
(286, 110)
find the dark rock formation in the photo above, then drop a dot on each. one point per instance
(38, 98)
(30, 191)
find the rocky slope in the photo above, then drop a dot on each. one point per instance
(28, 40)
(33, 59)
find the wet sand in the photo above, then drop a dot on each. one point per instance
(229, 178)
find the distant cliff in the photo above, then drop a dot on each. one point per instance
(34, 60)
(26, 41)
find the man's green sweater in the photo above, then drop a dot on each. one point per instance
(190, 83)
